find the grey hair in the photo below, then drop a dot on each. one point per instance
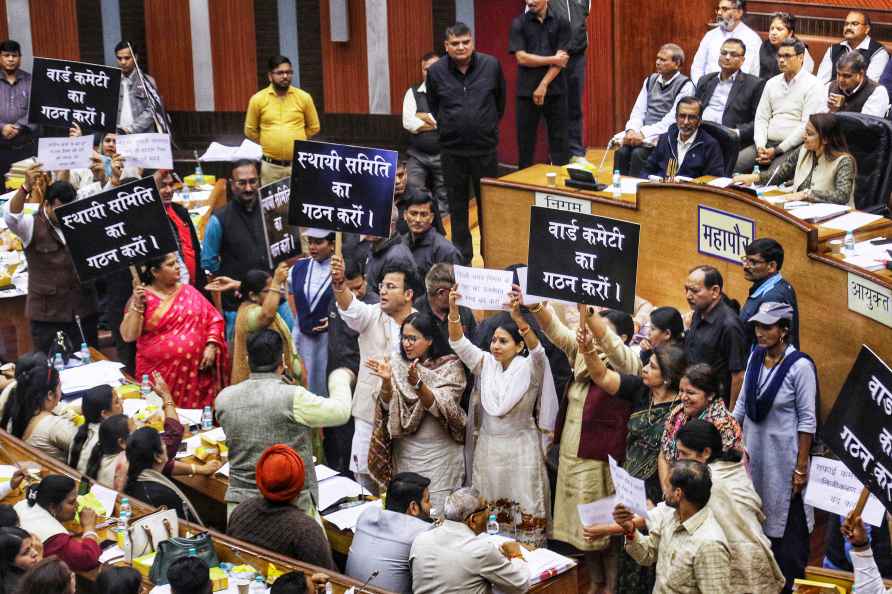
(677, 53)
(440, 275)
(461, 503)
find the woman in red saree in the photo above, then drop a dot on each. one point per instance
(178, 333)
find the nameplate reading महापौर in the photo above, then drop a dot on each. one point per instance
(869, 299)
(723, 234)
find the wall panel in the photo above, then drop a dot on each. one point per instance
(410, 36)
(598, 102)
(169, 48)
(4, 24)
(344, 71)
(234, 53)
(54, 31)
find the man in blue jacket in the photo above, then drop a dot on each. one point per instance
(694, 150)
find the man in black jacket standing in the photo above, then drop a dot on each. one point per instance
(730, 97)
(576, 13)
(466, 93)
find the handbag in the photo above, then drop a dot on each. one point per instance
(168, 551)
(147, 532)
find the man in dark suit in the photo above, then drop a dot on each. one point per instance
(730, 97)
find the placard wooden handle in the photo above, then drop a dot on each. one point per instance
(339, 242)
(862, 501)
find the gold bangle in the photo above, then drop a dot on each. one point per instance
(591, 350)
(455, 320)
(536, 308)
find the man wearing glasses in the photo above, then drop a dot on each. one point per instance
(686, 150)
(234, 242)
(729, 17)
(378, 327)
(787, 101)
(762, 267)
(451, 557)
(730, 97)
(276, 117)
(856, 32)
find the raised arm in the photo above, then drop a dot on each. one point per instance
(131, 325)
(607, 379)
(342, 294)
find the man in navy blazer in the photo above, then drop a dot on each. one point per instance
(693, 149)
(730, 97)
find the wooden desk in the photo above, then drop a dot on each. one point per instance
(228, 549)
(12, 312)
(668, 249)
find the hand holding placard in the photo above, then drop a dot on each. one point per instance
(629, 490)
(482, 288)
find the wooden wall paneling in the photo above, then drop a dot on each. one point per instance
(89, 27)
(266, 38)
(410, 32)
(879, 10)
(640, 27)
(344, 65)
(599, 94)
(169, 46)
(234, 53)
(4, 24)
(54, 31)
(309, 45)
(133, 29)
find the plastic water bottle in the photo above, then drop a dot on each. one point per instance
(258, 586)
(123, 537)
(848, 244)
(199, 174)
(492, 525)
(185, 192)
(617, 188)
(125, 506)
(207, 419)
(85, 354)
(58, 364)
(145, 388)
(757, 172)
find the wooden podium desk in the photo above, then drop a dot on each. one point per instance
(669, 248)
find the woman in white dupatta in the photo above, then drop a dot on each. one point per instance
(509, 463)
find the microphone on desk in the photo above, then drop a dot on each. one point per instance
(610, 143)
(372, 576)
(359, 482)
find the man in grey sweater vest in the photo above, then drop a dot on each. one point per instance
(653, 113)
(266, 409)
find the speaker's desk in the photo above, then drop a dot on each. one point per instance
(670, 243)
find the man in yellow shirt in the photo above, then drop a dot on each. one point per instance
(276, 117)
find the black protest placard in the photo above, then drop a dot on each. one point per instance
(859, 428)
(65, 92)
(282, 239)
(583, 258)
(342, 188)
(116, 228)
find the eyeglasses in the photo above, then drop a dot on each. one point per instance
(410, 339)
(382, 287)
(246, 182)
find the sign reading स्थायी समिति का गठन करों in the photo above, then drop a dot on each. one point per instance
(342, 188)
(859, 427)
(111, 230)
(723, 234)
(583, 258)
(282, 239)
(64, 92)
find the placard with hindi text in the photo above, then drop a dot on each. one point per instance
(282, 239)
(65, 92)
(342, 187)
(111, 230)
(859, 427)
(583, 258)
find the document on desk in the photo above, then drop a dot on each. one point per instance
(347, 518)
(542, 563)
(190, 416)
(720, 182)
(324, 472)
(819, 212)
(629, 185)
(337, 487)
(224, 470)
(851, 221)
(89, 376)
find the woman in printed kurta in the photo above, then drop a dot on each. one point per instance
(509, 463)
(178, 333)
(419, 423)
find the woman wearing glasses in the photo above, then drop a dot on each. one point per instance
(508, 461)
(419, 423)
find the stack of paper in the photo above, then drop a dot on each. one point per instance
(89, 376)
(220, 152)
(817, 213)
(545, 564)
(851, 221)
(335, 488)
(190, 416)
(192, 443)
(347, 518)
